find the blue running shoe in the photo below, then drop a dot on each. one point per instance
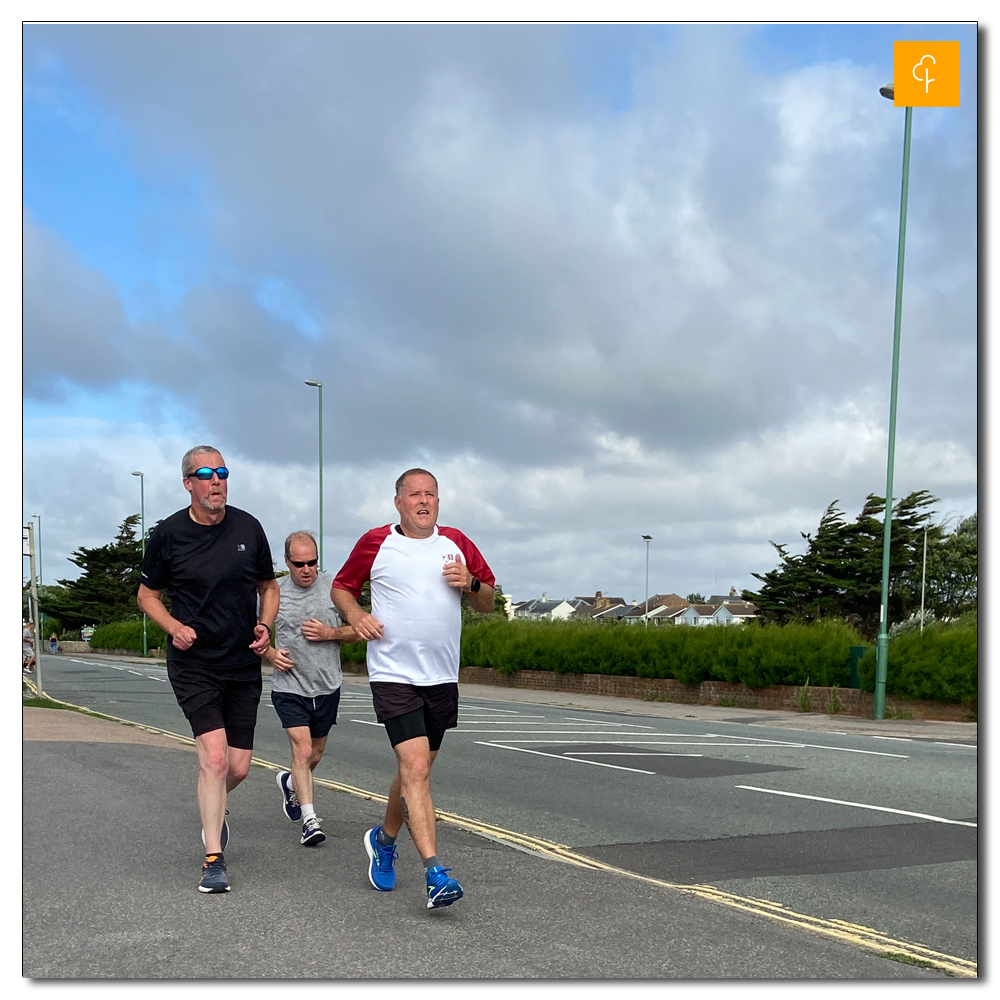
(223, 836)
(381, 861)
(213, 875)
(289, 800)
(441, 890)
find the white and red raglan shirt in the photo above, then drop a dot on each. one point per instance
(421, 615)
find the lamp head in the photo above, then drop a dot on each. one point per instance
(314, 382)
(647, 538)
(138, 473)
(888, 91)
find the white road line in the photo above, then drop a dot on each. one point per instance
(821, 746)
(861, 805)
(485, 708)
(550, 732)
(659, 743)
(365, 722)
(625, 753)
(898, 739)
(556, 756)
(964, 746)
(488, 722)
(136, 672)
(626, 725)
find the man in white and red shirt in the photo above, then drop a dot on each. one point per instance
(418, 572)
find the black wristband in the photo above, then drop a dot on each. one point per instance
(270, 630)
(475, 585)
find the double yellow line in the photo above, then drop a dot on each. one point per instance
(840, 930)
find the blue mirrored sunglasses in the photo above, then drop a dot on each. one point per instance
(222, 472)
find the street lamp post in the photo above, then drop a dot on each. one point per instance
(882, 642)
(41, 616)
(41, 574)
(319, 385)
(142, 528)
(645, 618)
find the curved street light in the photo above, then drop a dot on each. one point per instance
(882, 642)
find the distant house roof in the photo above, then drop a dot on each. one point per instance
(728, 599)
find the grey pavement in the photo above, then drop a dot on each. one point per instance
(113, 894)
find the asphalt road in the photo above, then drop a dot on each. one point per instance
(873, 830)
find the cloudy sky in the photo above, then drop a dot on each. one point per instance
(604, 281)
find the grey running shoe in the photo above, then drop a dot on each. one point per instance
(213, 875)
(312, 834)
(289, 800)
(223, 836)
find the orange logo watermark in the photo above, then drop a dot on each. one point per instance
(925, 74)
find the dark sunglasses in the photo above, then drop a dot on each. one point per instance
(205, 474)
(298, 564)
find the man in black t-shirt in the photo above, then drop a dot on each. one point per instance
(214, 561)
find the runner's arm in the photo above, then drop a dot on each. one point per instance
(270, 595)
(365, 625)
(151, 605)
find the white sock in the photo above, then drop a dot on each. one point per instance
(307, 811)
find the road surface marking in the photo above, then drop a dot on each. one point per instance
(626, 725)
(820, 746)
(628, 753)
(556, 756)
(898, 739)
(862, 805)
(840, 930)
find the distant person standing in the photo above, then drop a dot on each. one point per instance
(215, 563)
(305, 688)
(53, 643)
(418, 572)
(28, 649)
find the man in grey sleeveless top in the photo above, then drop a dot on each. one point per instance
(305, 688)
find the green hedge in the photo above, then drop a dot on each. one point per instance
(755, 655)
(128, 635)
(939, 664)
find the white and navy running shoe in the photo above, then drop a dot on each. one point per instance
(312, 833)
(289, 800)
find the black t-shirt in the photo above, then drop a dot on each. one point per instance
(211, 572)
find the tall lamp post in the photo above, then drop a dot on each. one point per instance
(142, 528)
(41, 575)
(319, 385)
(882, 642)
(41, 616)
(645, 608)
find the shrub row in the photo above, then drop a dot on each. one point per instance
(939, 664)
(128, 635)
(752, 655)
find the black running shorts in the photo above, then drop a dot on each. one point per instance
(214, 699)
(408, 711)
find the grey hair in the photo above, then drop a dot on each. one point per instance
(414, 472)
(187, 467)
(298, 536)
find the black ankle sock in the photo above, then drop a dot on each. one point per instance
(384, 840)
(431, 862)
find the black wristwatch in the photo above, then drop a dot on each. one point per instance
(475, 585)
